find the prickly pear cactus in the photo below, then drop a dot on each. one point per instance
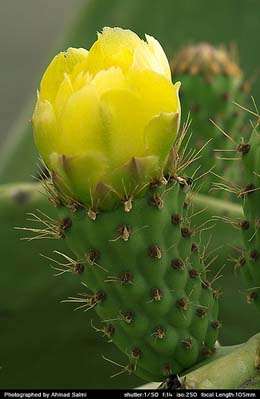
(248, 263)
(211, 81)
(105, 124)
(146, 281)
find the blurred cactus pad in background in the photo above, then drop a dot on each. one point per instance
(212, 82)
(47, 345)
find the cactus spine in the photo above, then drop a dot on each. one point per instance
(145, 278)
(211, 81)
(32, 317)
(106, 123)
(248, 262)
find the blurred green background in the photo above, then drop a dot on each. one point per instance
(31, 32)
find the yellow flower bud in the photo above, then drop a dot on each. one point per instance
(106, 119)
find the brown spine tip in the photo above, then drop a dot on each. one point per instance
(249, 189)
(216, 324)
(186, 232)
(251, 297)
(187, 343)
(154, 184)
(193, 273)
(135, 353)
(163, 181)
(206, 284)
(156, 200)
(155, 252)
(130, 368)
(126, 278)
(128, 204)
(92, 214)
(98, 298)
(95, 299)
(254, 255)
(65, 223)
(185, 184)
(79, 268)
(243, 148)
(178, 264)
(157, 182)
(194, 247)
(176, 219)
(56, 201)
(109, 330)
(124, 232)
(74, 206)
(92, 256)
(244, 224)
(128, 316)
(159, 332)
(156, 294)
(201, 312)
(216, 294)
(182, 304)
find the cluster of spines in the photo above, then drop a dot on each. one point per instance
(144, 272)
(193, 327)
(211, 81)
(247, 263)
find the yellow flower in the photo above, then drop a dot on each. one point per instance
(106, 119)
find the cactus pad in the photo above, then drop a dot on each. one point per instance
(146, 280)
(248, 263)
(211, 81)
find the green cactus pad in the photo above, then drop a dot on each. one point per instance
(145, 278)
(211, 82)
(248, 262)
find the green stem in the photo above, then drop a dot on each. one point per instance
(217, 206)
(213, 206)
(228, 371)
(253, 383)
(230, 368)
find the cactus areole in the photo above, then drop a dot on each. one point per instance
(105, 124)
(247, 264)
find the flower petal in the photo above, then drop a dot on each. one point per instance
(76, 174)
(64, 62)
(80, 123)
(160, 134)
(124, 120)
(114, 47)
(150, 56)
(160, 56)
(156, 92)
(64, 92)
(45, 129)
(111, 79)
